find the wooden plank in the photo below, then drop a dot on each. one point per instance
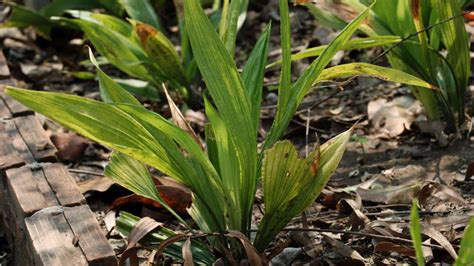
(4, 70)
(4, 111)
(16, 108)
(63, 184)
(13, 150)
(51, 239)
(91, 238)
(29, 191)
(35, 138)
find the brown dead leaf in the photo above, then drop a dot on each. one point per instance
(98, 183)
(389, 247)
(392, 118)
(341, 249)
(196, 117)
(435, 196)
(179, 119)
(177, 199)
(70, 146)
(187, 253)
(440, 238)
(139, 231)
(402, 194)
(470, 171)
(252, 254)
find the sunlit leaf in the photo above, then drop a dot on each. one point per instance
(466, 252)
(291, 184)
(415, 233)
(364, 69)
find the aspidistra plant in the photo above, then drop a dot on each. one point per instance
(439, 53)
(223, 177)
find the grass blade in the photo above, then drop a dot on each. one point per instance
(364, 69)
(142, 11)
(466, 252)
(415, 233)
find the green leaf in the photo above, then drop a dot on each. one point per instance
(361, 43)
(291, 184)
(142, 11)
(254, 71)
(124, 54)
(284, 88)
(22, 17)
(139, 87)
(142, 135)
(466, 252)
(134, 176)
(58, 7)
(201, 254)
(111, 91)
(110, 22)
(456, 41)
(415, 233)
(161, 51)
(230, 25)
(364, 69)
(230, 97)
(297, 92)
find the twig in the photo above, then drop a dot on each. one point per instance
(78, 171)
(391, 238)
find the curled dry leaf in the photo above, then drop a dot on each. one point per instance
(341, 249)
(402, 194)
(389, 247)
(139, 231)
(70, 146)
(177, 199)
(435, 196)
(252, 254)
(440, 238)
(187, 254)
(392, 118)
(179, 119)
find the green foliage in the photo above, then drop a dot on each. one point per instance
(440, 56)
(466, 252)
(415, 233)
(224, 177)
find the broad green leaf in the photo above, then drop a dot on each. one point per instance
(58, 7)
(306, 81)
(139, 87)
(229, 95)
(254, 71)
(111, 91)
(142, 11)
(456, 40)
(134, 176)
(227, 162)
(110, 22)
(361, 43)
(229, 25)
(284, 89)
(142, 135)
(124, 54)
(23, 17)
(163, 53)
(201, 254)
(415, 233)
(466, 252)
(291, 184)
(364, 69)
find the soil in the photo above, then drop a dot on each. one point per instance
(394, 168)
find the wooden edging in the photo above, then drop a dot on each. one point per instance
(44, 215)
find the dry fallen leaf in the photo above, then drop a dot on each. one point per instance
(392, 118)
(70, 146)
(341, 249)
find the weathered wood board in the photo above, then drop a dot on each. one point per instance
(42, 211)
